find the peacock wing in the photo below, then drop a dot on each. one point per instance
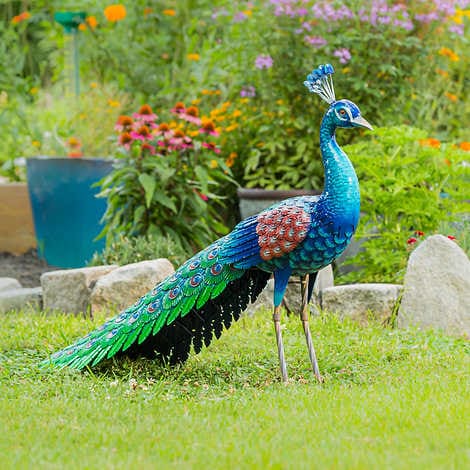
(271, 234)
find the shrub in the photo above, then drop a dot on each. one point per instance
(126, 250)
(410, 184)
(168, 177)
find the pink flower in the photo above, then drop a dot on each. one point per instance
(343, 54)
(211, 146)
(204, 197)
(264, 62)
(145, 114)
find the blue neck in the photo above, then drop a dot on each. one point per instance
(341, 190)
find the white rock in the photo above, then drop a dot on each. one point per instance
(69, 290)
(437, 287)
(20, 298)
(8, 283)
(360, 301)
(123, 286)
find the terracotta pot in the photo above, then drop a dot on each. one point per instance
(254, 200)
(16, 219)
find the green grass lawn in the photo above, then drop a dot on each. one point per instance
(391, 399)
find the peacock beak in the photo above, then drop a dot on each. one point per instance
(359, 121)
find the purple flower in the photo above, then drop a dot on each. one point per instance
(264, 62)
(343, 55)
(316, 41)
(248, 92)
(457, 29)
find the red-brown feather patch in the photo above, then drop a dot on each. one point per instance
(281, 230)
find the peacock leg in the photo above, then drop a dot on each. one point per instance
(281, 277)
(304, 282)
(280, 345)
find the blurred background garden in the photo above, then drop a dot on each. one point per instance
(222, 82)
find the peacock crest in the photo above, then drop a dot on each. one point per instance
(320, 81)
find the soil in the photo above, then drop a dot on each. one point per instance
(27, 268)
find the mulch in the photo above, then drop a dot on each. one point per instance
(27, 268)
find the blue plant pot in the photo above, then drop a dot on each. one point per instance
(66, 212)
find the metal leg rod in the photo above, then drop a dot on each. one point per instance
(304, 318)
(280, 346)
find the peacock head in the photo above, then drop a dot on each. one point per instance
(342, 113)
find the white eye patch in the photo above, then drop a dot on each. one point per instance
(344, 118)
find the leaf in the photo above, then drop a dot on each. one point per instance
(164, 200)
(149, 184)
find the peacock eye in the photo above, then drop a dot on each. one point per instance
(342, 112)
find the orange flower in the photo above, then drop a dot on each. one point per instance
(92, 22)
(169, 12)
(434, 143)
(124, 121)
(76, 154)
(465, 146)
(163, 127)
(115, 13)
(451, 96)
(147, 11)
(443, 73)
(446, 52)
(125, 138)
(194, 57)
(192, 111)
(21, 17)
(178, 133)
(231, 159)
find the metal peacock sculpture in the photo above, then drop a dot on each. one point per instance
(298, 236)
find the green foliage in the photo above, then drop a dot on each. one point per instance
(54, 120)
(409, 183)
(166, 182)
(125, 250)
(392, 399)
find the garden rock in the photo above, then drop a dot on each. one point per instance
(69, 290)
(293, 299)
(437, 287)
(362, 301)
(20, 298)
(7, 283)
(123, 286)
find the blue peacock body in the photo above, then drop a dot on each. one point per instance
(298, 236)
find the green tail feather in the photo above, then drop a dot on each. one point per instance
(201, 278)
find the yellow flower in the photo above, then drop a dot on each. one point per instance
(247, 12)
(196, 101)
(451, 97)
(93, 85)
(34, 90)
(244, 100)
(213, 164)
(169, 12)
(231, 128)
(115, 13)
(193, 133)
(194, 57)
(36, 143)
(114, 103)
(236, 113)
